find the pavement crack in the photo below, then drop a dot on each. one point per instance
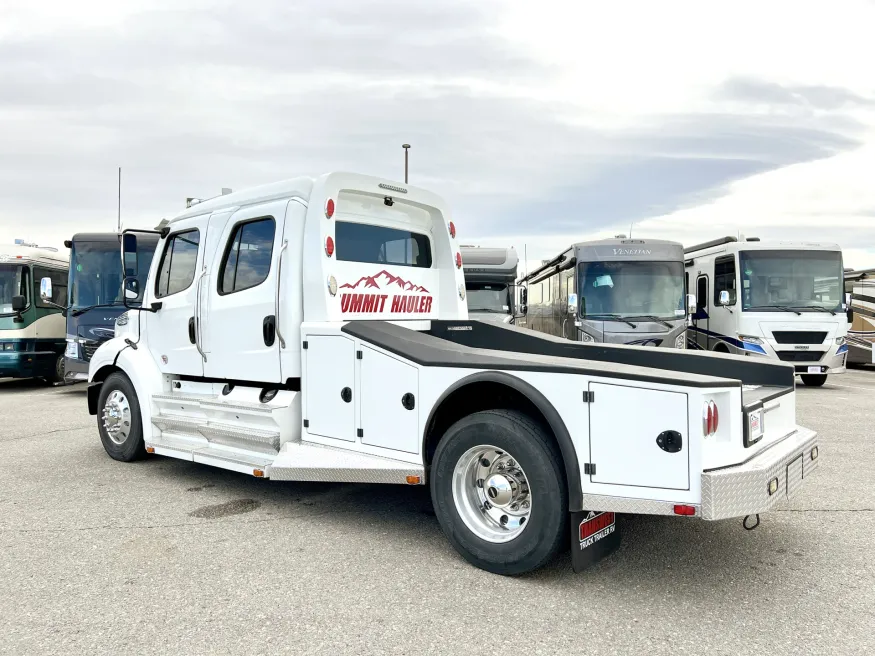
(44, 433)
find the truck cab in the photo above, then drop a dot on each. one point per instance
(316, 329)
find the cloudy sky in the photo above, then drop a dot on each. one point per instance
(542, 123)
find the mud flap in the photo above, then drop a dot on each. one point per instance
(594, 535)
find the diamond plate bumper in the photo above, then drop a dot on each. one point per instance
(744, 489)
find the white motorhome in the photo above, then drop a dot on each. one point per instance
(490, 276)
(782, 300)
(316, 330)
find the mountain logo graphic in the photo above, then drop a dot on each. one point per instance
(382, 280)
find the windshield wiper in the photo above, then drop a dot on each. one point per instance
(82, 310)
(777, 307)
(612, 317)
(815, 307)
(653, 318)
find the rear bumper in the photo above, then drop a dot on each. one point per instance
(744, 489)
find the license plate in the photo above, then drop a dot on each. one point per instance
(756, 424)
(814, 370)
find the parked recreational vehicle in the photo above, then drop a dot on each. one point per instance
(490, 276)
(31, 329)
(95, 294)
(775, 299)
(860, 285)
(621, 291)
(317, 330)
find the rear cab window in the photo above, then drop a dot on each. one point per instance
(361, 242)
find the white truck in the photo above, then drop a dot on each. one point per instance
(316, 330)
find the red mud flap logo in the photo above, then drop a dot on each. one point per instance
(594, 535)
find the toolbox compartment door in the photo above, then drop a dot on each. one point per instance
(624, 425)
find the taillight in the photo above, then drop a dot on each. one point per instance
(452, 230)
(329, 246)
(458, 260)
(710, 418)
(329, 208)
(683, 509)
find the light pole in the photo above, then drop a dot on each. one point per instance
(406, 147)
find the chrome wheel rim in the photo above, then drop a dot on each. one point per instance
(491, 493)
(117, 417)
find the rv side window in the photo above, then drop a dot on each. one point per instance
(246, 263)
(724, 278)
(59, 286)
(702, 292)
(360, 242)
(178, 263)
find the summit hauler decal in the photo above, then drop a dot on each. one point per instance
(594, 535)
(384, 292)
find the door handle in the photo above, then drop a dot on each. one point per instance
(191, 333)
(268, 330)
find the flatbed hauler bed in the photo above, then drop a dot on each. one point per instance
(320, 368)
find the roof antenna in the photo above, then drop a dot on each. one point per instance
(630, 229)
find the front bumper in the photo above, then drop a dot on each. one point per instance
(14, 364)
(75, 370)
(744, 489)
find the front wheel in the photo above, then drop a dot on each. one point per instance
(499, 492)
(57, 375)
(814, 380)
(118, 419)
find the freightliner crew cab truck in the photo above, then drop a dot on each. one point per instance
(316, 330)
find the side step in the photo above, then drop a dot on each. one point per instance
(302, 461)
(220, 432)
(254, 464)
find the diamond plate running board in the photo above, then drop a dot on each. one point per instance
(303, 461)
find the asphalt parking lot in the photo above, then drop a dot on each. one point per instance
(168, 557)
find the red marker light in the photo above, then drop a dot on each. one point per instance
(329, 208)
(458, 260)
(452, 230)
(714, 417)
(684, 510)
(329, 246)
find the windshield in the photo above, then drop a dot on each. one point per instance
(488, 297)
(13, 282)
(96, 273)
(631, 289)
(791, 279)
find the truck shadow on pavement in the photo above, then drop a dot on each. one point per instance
(663, 550)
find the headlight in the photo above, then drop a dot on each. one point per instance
(122, 319)
(72, 349)
(750, 340)
(8, 346)
(680, 341)
(586, 337)
(840, 341)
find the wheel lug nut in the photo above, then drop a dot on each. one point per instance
(515, 506)
(487, 505)
(510, 463)
(479, 482)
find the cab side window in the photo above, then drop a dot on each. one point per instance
(178, 263)
(59, 286)
(724, 278)
(247, 258)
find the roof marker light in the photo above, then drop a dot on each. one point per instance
(458, 260)
(329, 208)
(452, 227)
(329, 246)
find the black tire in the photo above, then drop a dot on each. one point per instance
(132, 447)
(60, 369)
(814, 380)
(546, 532)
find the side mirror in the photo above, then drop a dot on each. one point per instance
(18, 303)
(129, 253)
(724, 298)
(132, 289)
(572, 304)
(524, 297)
(691, 304)
(45, 289)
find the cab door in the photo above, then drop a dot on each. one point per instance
(171, 329)
(240, 311)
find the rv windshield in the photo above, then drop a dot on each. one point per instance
(96, 273)
(625, 290)
(488, 297)
(13, 282)
(799, 279)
